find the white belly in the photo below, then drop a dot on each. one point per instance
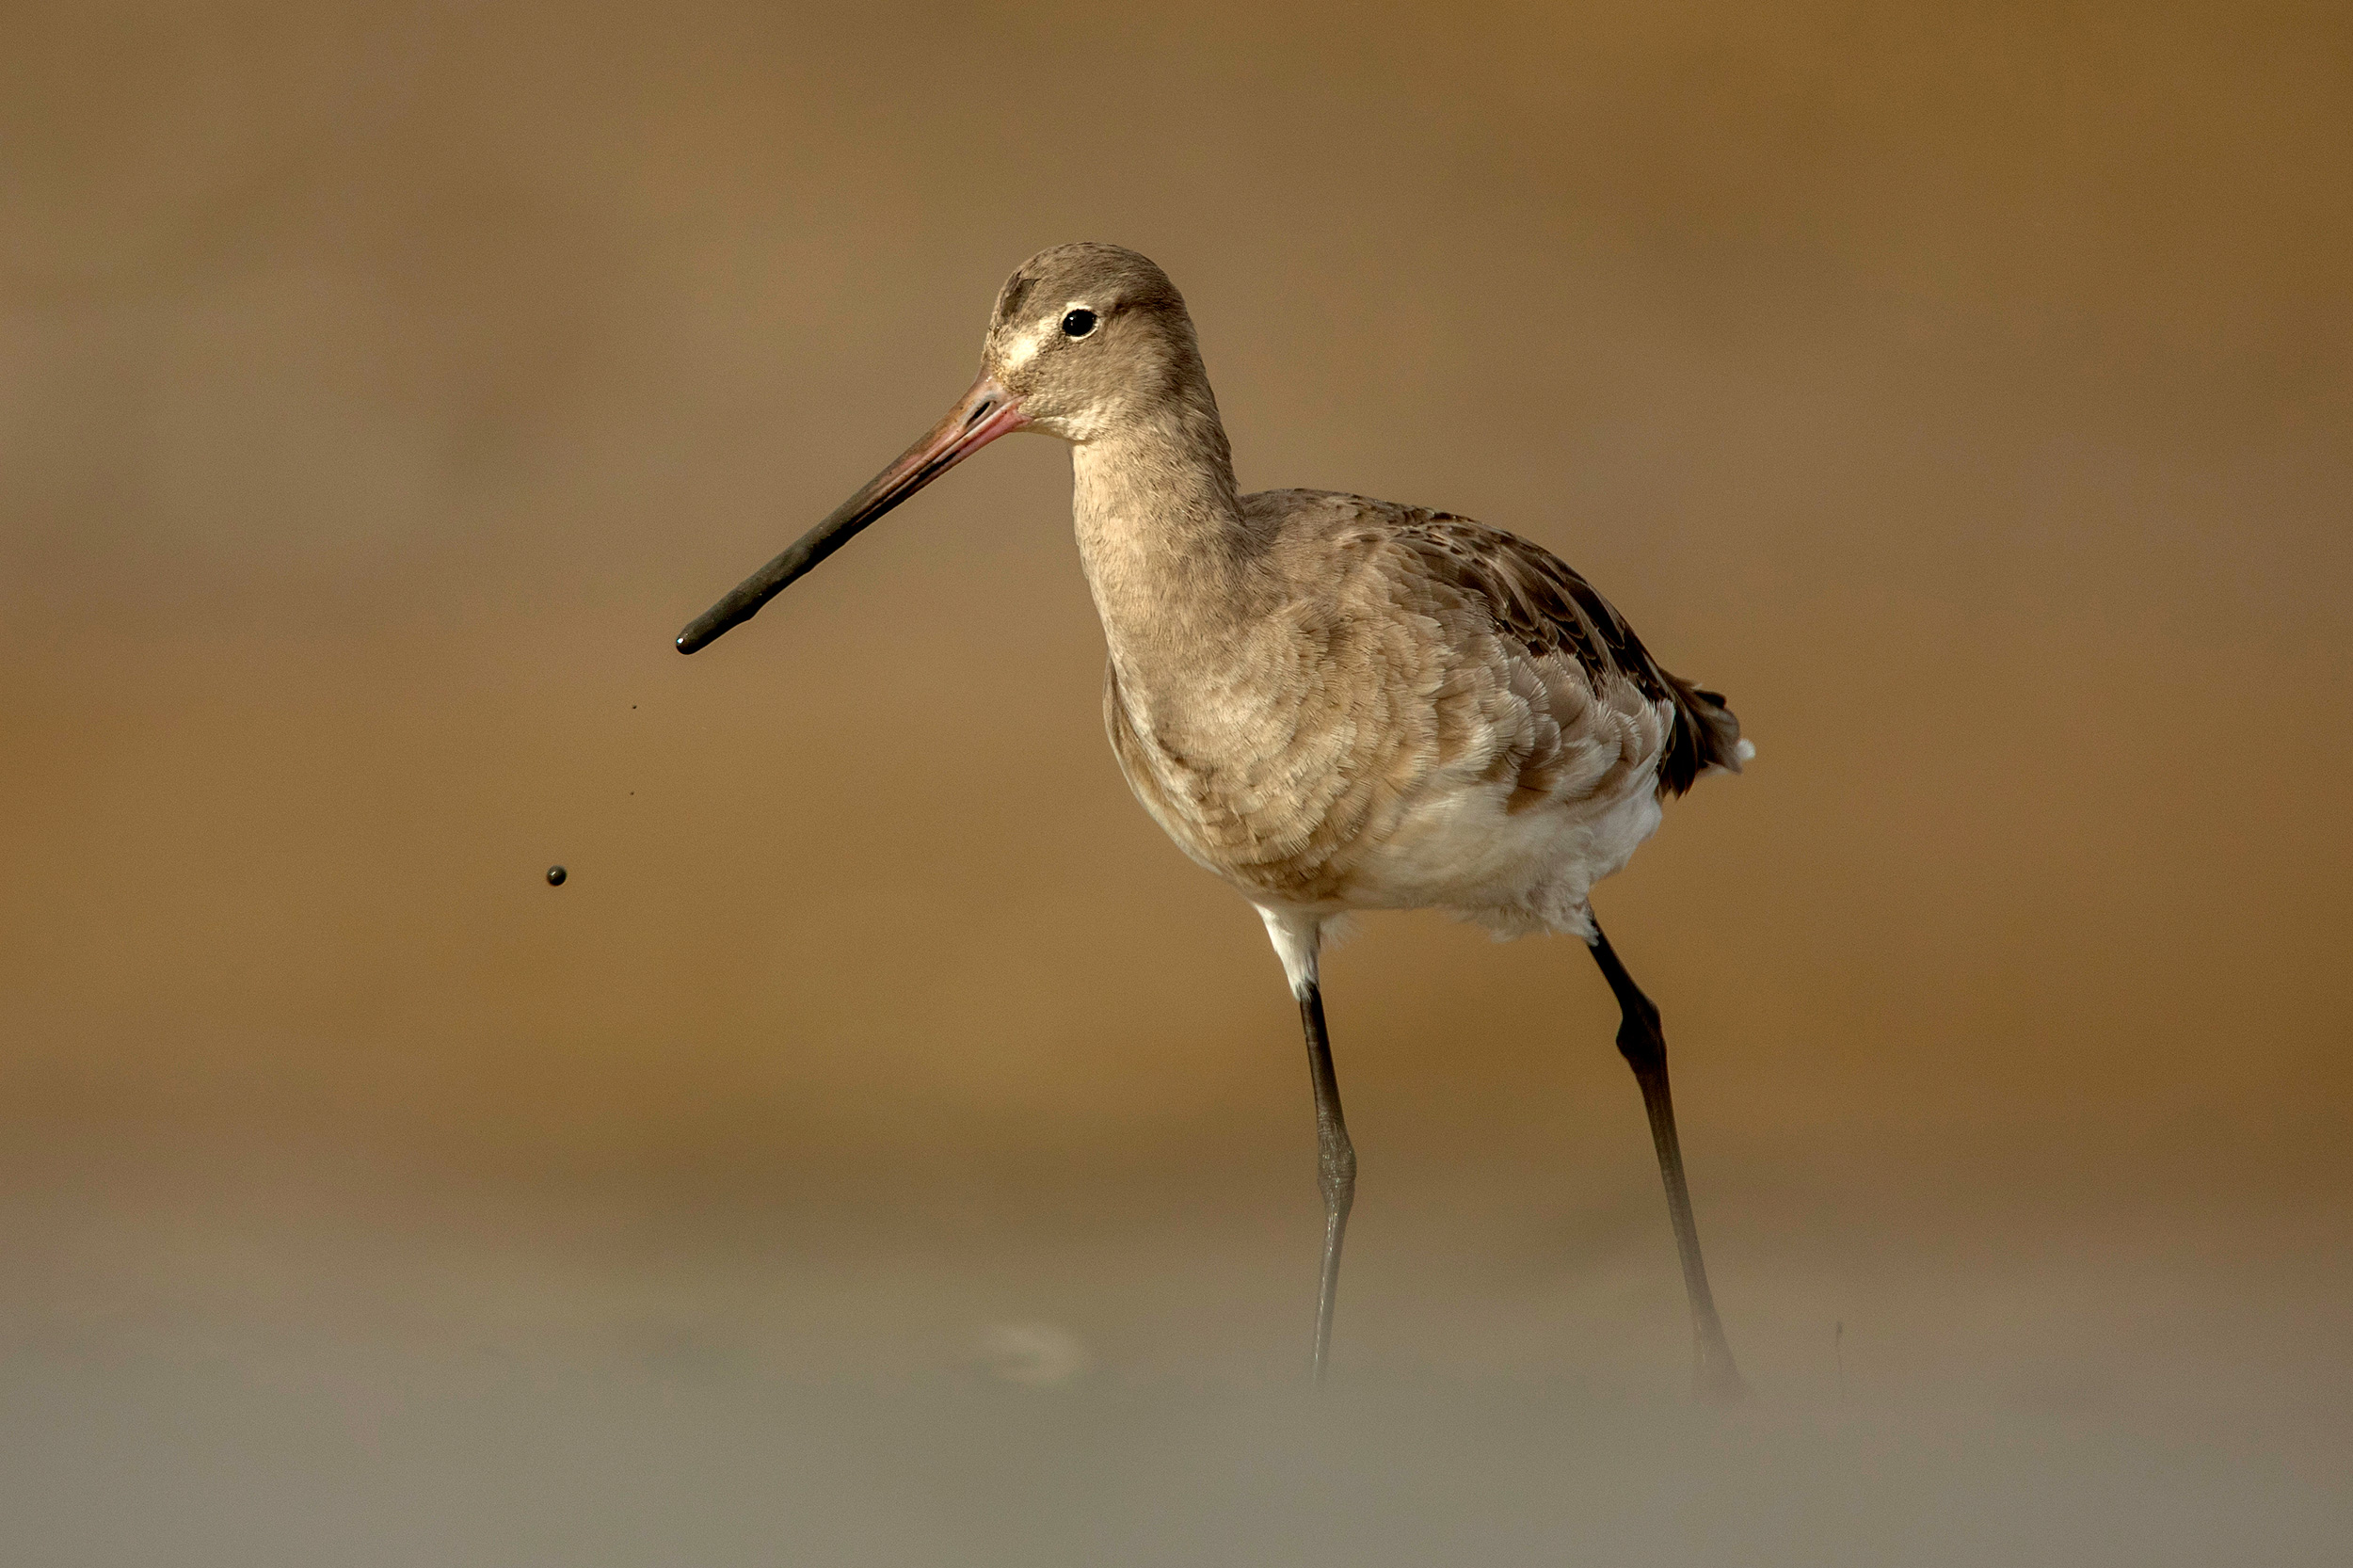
(1515, 873)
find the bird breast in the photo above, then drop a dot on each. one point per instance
(1355, 751)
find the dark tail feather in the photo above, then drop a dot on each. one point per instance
(1706, 735)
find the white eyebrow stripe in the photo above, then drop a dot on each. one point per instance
(1022, 350)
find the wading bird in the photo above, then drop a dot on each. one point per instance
(1332, 703)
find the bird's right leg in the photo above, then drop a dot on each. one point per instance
(1643, 1045)
(1298, 940)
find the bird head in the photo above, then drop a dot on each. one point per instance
(1085, 339)
(1089, 338)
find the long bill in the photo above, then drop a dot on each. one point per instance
(981, 415)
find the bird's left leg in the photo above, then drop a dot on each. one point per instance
(1298, 940)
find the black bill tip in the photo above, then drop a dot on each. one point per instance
(744, 601)
(738, 607)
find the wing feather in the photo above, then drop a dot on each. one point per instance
(1537, 601)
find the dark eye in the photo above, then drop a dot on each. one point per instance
(1078, 323)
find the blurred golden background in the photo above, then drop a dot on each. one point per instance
(1965, 391)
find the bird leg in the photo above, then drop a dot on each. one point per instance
(1336, 1165)
(1643, 1045)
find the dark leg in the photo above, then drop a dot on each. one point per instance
(1645, 1047)
(1336, 1165)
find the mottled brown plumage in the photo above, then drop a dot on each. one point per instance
(1332, 702)
(1409, 657)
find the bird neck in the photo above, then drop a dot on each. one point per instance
(1174, 567)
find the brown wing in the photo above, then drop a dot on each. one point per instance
(1539, 602)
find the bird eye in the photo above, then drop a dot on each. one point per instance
(1078, 323)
